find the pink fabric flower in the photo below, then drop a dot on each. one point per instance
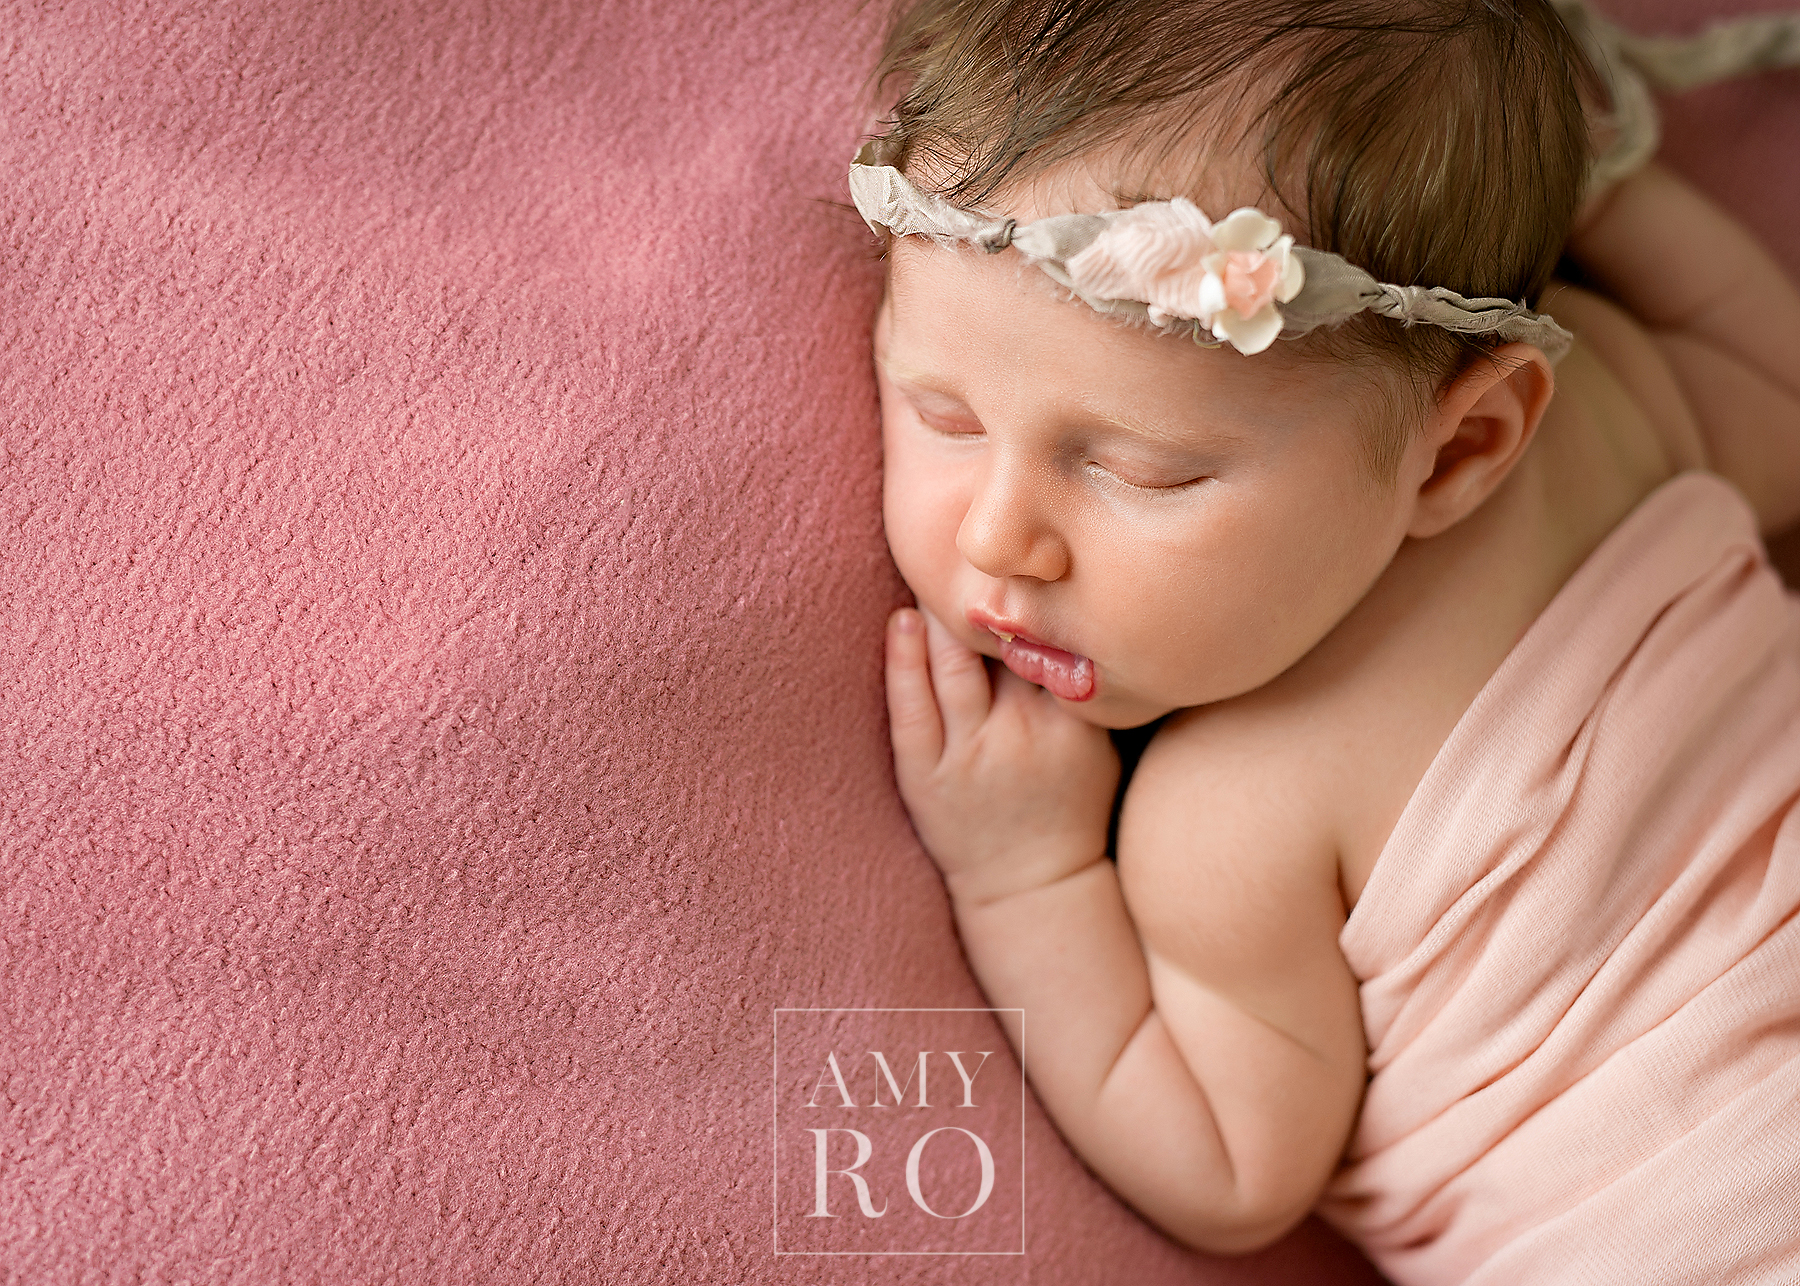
(1169, 256)
(1250, 281)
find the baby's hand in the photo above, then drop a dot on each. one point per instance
(1008, 791)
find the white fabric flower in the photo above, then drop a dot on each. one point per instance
(1169, 256)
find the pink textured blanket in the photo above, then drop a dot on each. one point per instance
(1580, 952)
(441, 598)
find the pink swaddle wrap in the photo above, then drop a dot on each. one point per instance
(1579, 955)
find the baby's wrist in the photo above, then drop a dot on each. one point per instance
(1043, 867)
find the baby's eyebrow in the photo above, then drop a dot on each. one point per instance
(910, 375)
(1163, 436)
(1133, 427)
(938, 397)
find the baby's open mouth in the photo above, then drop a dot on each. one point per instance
(1066, 674)
(1069, 676)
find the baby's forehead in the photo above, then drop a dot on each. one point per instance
(922, 273)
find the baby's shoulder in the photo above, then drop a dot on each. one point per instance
(1311, 772)
(1207, 761)
(1255, 788)
(1227, 859)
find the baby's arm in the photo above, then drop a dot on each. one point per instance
(1209, 1072)
(1725, 318)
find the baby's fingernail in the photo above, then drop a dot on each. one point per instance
(906, 621)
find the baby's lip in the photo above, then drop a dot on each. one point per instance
(1005, 630)
(1066, 674)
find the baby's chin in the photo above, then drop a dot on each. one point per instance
(1115, 710)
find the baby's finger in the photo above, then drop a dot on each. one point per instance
(960, 679)
(913, 721)
(1025, 704)
(1010, 689)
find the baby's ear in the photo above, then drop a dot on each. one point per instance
(1482, 423)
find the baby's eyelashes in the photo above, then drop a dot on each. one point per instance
(949, 425)
(1139, 476)
(937, 410)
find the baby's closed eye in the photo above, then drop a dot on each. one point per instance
(949, 424)
(1141, 475)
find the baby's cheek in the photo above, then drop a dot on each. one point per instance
(919, 559)
(921, 534)
(900, 513)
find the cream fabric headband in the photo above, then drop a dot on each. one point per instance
(1241, 279)
(1245, 282)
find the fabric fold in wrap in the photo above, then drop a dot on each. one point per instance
(1579, 952)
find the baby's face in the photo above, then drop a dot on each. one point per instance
(1190, 521)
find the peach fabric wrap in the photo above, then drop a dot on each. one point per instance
(1579, 955)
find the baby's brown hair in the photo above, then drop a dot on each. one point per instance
(1430, 142)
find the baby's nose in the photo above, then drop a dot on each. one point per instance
(1010, 528)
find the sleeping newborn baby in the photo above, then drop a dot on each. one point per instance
(1456, 895)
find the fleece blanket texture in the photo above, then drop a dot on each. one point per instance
(441, 593)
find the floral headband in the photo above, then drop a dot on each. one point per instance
(1245, 282)
(1241, 280)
